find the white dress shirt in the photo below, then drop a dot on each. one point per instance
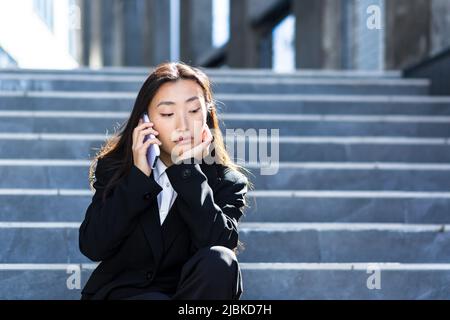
(168, 195)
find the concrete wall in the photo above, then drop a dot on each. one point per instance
(330, 34)
(318, 33)
(440, 25)
(196, 31)
(407, 32)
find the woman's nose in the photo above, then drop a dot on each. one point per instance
(182, 123)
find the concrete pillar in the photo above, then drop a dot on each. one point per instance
(85, 7)
(196, 31)
(95, 58)
(407, 32)
(107, 21)
(156, 32)
(117, 29)
(244, 41)
(440, 26)
(76, 28)
(318, 33)
(132, 41)
(102, 35)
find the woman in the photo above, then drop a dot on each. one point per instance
(168, 232)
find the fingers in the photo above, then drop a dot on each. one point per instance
(141, 125)
(207, 135)
(153, 141)
(148, 131)
(144, 125)
(146, 144)
(138, 134)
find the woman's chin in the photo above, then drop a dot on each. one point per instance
(184, 147)
(179, 149)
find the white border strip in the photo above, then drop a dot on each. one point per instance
(53, 136)
(44, 266)
(339, 226)
(44, 162)
(238, 97)
(44, 192)
(375, 194)
(349, 166)
(38, 225)
(264, 226)
(387, 266)
(238, 116)
(223, 78)
(360, 140)
(335, 118)
(210, 71)
(348, 194)
(386, 140)
(332, 98)
(281, 165)
(347, 266)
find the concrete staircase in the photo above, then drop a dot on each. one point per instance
(358, 209)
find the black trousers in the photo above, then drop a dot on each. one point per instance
(212, 273)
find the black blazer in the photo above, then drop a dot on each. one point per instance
(125, 233)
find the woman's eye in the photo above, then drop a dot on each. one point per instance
(166, 114)
(194, 111)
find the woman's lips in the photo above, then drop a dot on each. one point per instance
(184, 141)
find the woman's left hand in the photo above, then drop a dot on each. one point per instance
(201, 150)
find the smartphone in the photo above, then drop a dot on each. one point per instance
(152, 151)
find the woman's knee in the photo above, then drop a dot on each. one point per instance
(218, 259)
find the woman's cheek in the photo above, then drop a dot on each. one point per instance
(167, 145)
(198, 135)
(177, 150)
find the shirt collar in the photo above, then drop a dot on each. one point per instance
(159, 169)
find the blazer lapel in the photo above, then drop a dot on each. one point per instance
(173, 224)
(160, 238)
(151, 225)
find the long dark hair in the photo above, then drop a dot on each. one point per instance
(117, 148)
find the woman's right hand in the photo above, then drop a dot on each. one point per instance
(139, 148)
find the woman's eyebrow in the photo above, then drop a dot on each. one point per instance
(172, 103)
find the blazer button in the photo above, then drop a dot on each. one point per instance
(147, 195)
(186, 173)
(149, 275)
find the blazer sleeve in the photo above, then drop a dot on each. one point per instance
(211, 217)
(105, 226)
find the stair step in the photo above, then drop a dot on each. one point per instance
(414, 207)
(345, 281)
(344, 242)
(286, 124)
(70, 146)
(236, 103)
(264, 242)
(139, 71)
(341, 281)
(221, 84)
(338, 177)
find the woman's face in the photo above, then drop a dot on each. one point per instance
(178, 111)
